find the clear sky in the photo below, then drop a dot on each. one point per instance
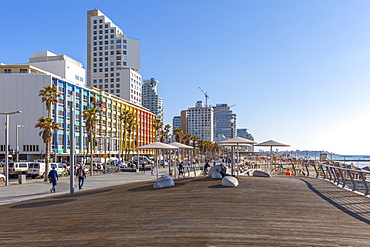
(298, 71)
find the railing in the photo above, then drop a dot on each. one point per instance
(352, 179)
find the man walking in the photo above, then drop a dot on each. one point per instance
(81, 175)
(53, 178)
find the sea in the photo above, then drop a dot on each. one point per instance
(357, 160)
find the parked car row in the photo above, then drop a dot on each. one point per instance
(33, 169)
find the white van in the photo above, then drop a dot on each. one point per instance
(16, 168)
(37, 169)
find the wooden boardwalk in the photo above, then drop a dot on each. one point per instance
(277, 211)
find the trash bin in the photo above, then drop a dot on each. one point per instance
(22, 178)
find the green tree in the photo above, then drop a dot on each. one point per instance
(47, 126)
(50, 96)
(179, 134)
(91, 119)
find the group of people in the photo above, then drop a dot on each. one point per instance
(80, 175)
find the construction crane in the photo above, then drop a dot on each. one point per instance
(224, 108)
(205, 94)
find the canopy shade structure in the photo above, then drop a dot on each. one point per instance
(181, 145)
(156, 146)
(272, 143)
(236, 140)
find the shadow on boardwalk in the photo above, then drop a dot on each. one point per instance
(350, 203)
(277, 211)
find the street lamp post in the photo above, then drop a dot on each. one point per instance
(6, 144)
(16, 137)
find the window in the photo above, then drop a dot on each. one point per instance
(106, 42)
(112, 42)
(105, 64)
(118, 46)
(118, 80)
(95, 54)
(106, 86)
(7, 71)
(117, 85)
(100, 42)
(111, 79)
(23, 70)
(95, 21)
(112, 91)
(95, 81)
(124, 52)
(100, 21)
(100, 70)
(100, 37)
(95, 27)
(95, 70)
(106, 70)
(112, 36)
(106, 31)
(117, 74)
(112, 30)
(106, 59)
(118, 58)
(111, 69)
(106, 37)
(111, 85)
(124, 41)
(100, 80)
(118, 41)
(100, 32)
(111, 63)
(124, 47)
(106, 80)
(100, 26)
(106, 25)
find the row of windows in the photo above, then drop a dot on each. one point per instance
(79, 78)
(106, 42)
(112, 47)
(107, 54)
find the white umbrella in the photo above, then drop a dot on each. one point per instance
(236, 141)
(272, 143)
(156, 146)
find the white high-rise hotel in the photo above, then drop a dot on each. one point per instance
(113, 60)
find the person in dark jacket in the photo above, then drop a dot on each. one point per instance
(81, 175)
(53, 178)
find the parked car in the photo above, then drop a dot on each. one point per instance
(2, 178)
(37, 169)
(142, 160)
(16, 168)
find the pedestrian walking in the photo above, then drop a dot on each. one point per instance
(81, 175)
(181, 169)
(152, 171)
(53, 178)
(143, 167)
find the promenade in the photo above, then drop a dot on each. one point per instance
(276, 211)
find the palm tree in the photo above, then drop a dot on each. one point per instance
(194, 139)
(179, 134)
(91, 119)
(50, 96)
(158, 125)
(124, 117)
(130, 126)
(47, 126)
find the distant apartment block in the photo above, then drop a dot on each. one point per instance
(113, 59)
(200, 121)
(151, 99)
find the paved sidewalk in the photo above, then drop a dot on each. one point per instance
(37, 188)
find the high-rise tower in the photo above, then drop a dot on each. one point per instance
(151, 99)
(113, 60)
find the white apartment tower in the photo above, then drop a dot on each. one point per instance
(200, 121)
(151, 99)
(113, 60)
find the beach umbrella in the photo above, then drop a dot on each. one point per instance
(236, 141)
(156, 146)
(272, 143)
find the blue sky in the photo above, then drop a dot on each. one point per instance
(298, 71)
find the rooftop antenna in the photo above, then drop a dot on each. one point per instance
(205, 95)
